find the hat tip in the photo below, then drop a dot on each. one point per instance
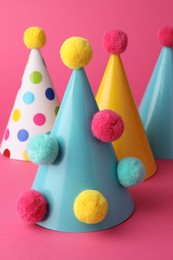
(115, 42)
(165, 36)
(34, 37)
(76, 52)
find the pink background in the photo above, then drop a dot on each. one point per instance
(148, 234)
(140, 19)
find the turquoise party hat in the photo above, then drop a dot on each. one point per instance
(79, 190)
(156, 108)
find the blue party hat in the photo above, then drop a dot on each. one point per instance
(156, 108)
(82, 187)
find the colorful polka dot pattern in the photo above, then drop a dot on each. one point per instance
(36, 93)
(16, 115)
(7, 134)
(6, 153)
(56, 110)
(25, 156)
(50, 93)
(39, 119)
(22, 135)
(36, 77)
(28, 98)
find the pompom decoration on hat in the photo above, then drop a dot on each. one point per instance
(114, 94)
(36, 104)
(42, 149)
(115, 42)
(156, 108)
(165, 36)
(76, 52)
(90, 207)
(31, 206)
(128, 172)
(107, 126)
(34, 37)
(81, 186)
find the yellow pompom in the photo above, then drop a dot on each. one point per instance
(90, 207)
(76, 52)
(34, 38)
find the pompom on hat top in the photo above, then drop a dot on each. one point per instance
(165, 36)
(115, 42)
(34, 37)
(76, 52)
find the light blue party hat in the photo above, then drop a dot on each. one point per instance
(82, 186)
(156, 108)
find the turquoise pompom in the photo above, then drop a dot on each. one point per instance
(42, 149)
(130, 171)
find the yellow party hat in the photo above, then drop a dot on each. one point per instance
(114, 93)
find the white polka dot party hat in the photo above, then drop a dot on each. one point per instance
(36, 104)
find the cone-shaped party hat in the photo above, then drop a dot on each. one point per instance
(79, 184)
(156, 108)
(36, 103)
(114, 93)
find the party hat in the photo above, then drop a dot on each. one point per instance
(80, 187)
(115, 93)
(36, 103)
(156, 108)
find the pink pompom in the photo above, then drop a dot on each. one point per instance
(165, 36)
(115, 42)
(107, 126)
(31, 206)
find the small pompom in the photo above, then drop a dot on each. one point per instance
(31, 206)
(76, 52)
(34, 38)
(107, 126)
(42, 149)
(130, 171)
(90, 207)
(165, 36)
(115, 42)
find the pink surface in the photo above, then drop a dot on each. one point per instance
(147, 234)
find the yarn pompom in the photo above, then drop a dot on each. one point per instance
(31, 206)
(76, 52)
(107, 126)
(165, 36)
(42, 149)
(115, 42)
(34, 38)
(130, 171)
(90, 207)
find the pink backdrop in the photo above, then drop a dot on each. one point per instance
(140, 19)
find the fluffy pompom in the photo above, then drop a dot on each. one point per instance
(42, 149)
(90, 207)
(165, 36)
(31, 206)
(107, 126)
(76, 52)
(115, 42)
(34, 37)
(130, 171)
